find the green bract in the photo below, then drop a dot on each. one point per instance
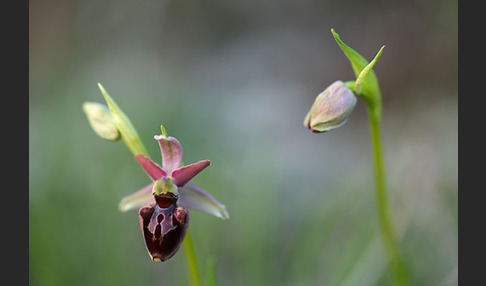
(124, 126)
(367, 83)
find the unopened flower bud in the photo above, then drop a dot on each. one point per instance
(101, 122)
(331, 108)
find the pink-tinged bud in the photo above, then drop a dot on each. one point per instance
(331, 108)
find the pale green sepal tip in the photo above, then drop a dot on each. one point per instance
(124, 125)
(100, 120)
(195, 198)
(138, 199)
(132, 202)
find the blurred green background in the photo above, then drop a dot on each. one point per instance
(233, 81)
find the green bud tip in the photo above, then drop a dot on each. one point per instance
(164, 133)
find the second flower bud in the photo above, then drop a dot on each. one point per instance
(331, 108)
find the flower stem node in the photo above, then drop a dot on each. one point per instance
(331, 108)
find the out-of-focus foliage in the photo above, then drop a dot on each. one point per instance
(233, 80)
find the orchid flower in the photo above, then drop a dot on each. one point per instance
(164, 203)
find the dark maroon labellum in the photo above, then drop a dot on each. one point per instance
(164, 225)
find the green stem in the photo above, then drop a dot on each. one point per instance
(366, 86)
(400, 275)
(191, 259)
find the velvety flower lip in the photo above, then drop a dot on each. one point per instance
(164, 215)
(164, 227)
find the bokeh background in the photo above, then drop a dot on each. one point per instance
(233, 81)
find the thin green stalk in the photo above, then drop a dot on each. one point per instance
(400, 275)
(191, 260)
(366, 86)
